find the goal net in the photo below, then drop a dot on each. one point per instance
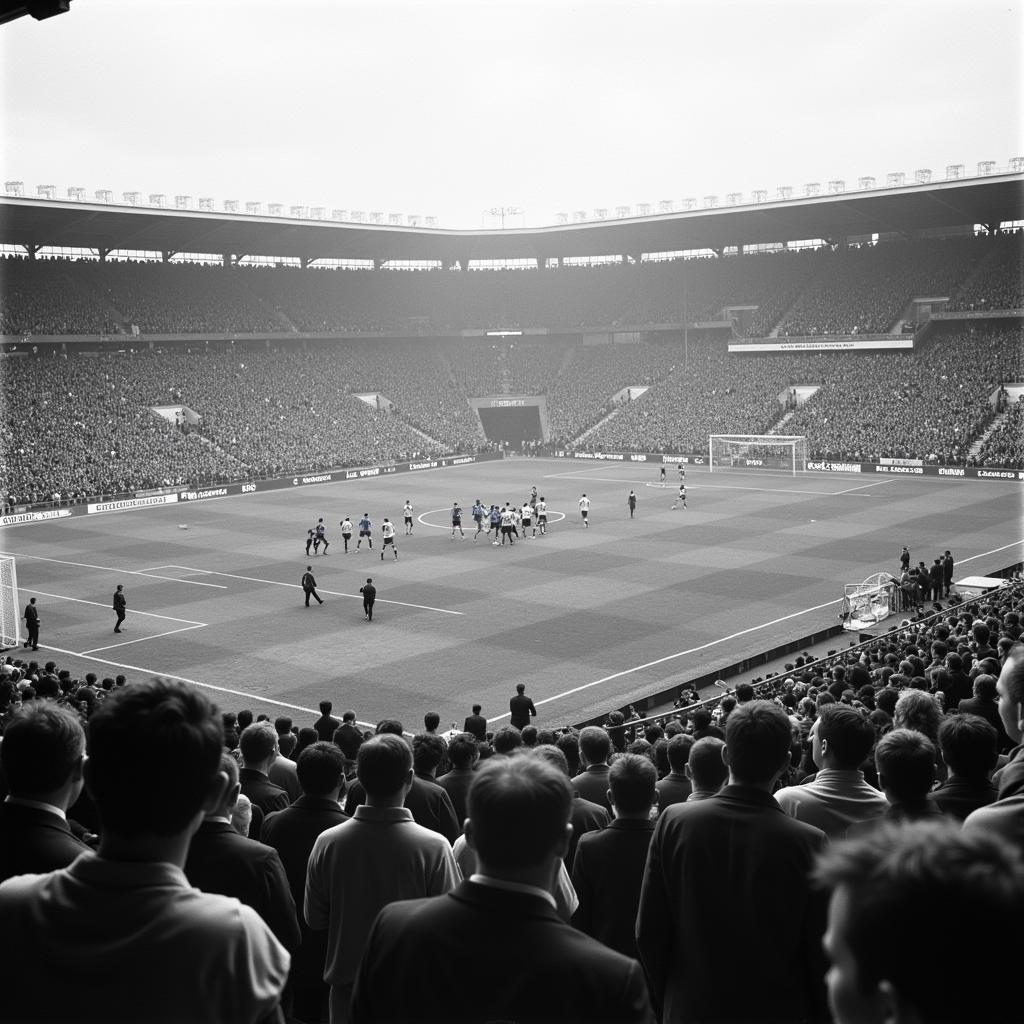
(773, 451)
(10, 618)
(868, 603)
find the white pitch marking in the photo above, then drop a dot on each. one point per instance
(331, 593)
(724, 487)
(102, 604)
(724, 639)
(130, 572)
(139, 639)
(874, 483)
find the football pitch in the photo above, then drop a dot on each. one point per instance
(589, 618)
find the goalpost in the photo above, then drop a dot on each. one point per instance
(10, 615)
(780, 451)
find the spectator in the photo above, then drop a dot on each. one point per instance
(292, 832)
(326, 725)
(358, 867)
(521, 708)
(706, 768)
(258, 745)
(348, 737)
(592, 782)
(41, 756)
(984, 705)
(675, 788)
(222, 861)
(703, 885)
(841, 740)
(464, 754)
(518, 818)
(908, 883)
(968, 745)
(153, 769)
(476, 725)
(905, 760)
(609, 865)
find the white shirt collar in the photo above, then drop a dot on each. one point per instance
(38, 805)
(520, 887)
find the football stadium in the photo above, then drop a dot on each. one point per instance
(694, 524)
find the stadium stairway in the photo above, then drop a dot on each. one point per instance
(984, 436)
(601, 422)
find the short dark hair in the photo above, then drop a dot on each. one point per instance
(911, 881)
(744, 693)
(553, 755)
(427, 752)
(320, 768)
(518, 809)
(569, 744)
(520, 687)
(849, 734)
(383, 764)
(390, 726)
(707, 769)
(154, 749)
(476, 709)
(595, 744)
(632, 779)
(326, 707)
(257, 741)
(985, 686)
(462, 749)
(348, 716)
(507, 739)
(969, 745)
(282, 726)
(431, 720)
(906, 764)
(529, 734)
(679, 751)
(758, 736)
(41, 746)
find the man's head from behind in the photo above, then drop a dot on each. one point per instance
(258, 744)
(384, 767)
(905, 760)
(154, 758)
(42, 753)
(758, 737)
(518, 813)
(321, 769)
(841, 738)
(595, 745)
(631, 781)
(705, 766)
(969, 746)
(896, 888)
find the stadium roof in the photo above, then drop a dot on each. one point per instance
(910, 209)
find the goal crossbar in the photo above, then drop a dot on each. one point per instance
(782, 451)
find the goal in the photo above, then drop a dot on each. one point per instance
(868, 603)
(774, 451)
(10, 618)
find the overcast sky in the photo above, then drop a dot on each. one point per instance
(452, 107)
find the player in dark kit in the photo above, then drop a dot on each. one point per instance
(120, 606)
(310, 537)
(631, 502)
(369, 592)
(365, 530)
(309, 585)
(456, 519)
(478, 518)
(321, 536)
(31, 618)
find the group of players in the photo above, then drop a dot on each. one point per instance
(504, 521)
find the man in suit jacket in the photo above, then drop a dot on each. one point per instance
(349, 737)
(521, 708)
(609, 865)
(735, 865)
(676, 787)
(463, 753)
(984, 705)
(292, 832)
(592, 782)
(258, 746)
(326, 725)
(222, 861)
(41, 755)
(476, 725)
(518, 827)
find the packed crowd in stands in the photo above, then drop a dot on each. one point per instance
(79, 426)
(811, 291)
(1005, 445)
(904, 748)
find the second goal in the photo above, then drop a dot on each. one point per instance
(772, 451)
